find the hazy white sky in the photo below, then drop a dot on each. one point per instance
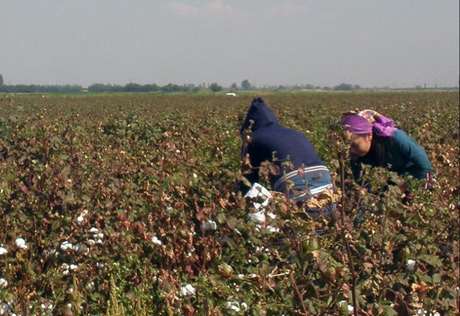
(399, 43)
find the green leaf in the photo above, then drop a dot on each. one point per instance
(433, 260)
(389, 311)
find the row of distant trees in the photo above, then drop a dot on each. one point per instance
(33, 88)
(135, 87)
(130, 87)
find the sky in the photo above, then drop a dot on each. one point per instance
(395, 43)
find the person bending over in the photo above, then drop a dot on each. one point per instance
(376, 141)
(301, 173)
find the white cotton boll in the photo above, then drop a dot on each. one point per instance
(3, 251)
(156, 241)
(234, 306)
(99, 241)
(273, 229)
(3, 283)
(244, 305)
(188, 290)
(271, 215)
(91, 242)
(100, 235)
(349, 307)
(21, 243)
(46, 305)
(195, 175)
(80, 219)
(79, 248)
(66, 246)
(94, 230)
(4, 308)
(49, 252)
(208, 226)
(422, 312)
(177, 151)
(410, 265)
(73, 267)
(258, 217)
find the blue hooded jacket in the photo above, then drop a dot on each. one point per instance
(269, 137)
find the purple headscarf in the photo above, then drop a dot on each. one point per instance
(383, 126)
(363, 123)
(356, 124)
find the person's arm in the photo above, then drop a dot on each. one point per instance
(412, 151)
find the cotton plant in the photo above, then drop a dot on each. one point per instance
(3, 251)
(188, 290)
(21, 243)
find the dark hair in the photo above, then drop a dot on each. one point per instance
(377, 150)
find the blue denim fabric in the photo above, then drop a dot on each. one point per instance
(306, 185)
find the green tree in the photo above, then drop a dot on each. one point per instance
(133, 87)
(1, 80)
(98, 87)
(343, 87)
(245, 84)
(234, 87)
(214, 87)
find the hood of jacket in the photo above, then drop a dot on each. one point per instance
(261, 114)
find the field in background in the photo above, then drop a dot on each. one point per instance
(110, 194)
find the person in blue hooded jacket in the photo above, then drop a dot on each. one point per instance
(264, 139)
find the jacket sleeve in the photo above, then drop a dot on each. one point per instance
(409, 148)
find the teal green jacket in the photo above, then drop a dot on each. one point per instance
(401, 154)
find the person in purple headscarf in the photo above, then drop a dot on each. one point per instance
(376, 141)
